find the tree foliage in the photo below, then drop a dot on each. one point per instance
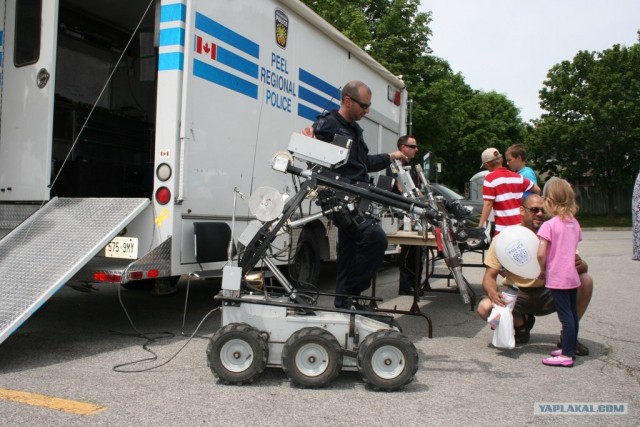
(491, 121)
(449, 118)
(591, 128)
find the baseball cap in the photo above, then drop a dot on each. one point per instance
(490, 154)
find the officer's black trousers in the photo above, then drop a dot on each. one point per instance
(360, 254)
(411, 258)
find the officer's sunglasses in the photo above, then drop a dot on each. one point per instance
(361, 104)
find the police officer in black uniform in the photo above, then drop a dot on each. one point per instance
(408, 145)
(361, 247)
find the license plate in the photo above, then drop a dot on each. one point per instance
(122, 247)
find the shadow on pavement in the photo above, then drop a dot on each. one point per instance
(73, 325)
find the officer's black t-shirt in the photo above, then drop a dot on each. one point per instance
(360, 162)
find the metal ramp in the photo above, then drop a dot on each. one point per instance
(41, 254)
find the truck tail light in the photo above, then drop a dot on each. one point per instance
(113, 277)
(101, 276)
(394, 95)
(163, 195)
(136, 275)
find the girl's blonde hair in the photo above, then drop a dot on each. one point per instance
(560, 199)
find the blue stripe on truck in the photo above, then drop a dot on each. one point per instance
(224, 79)
(173, 12)
(317, 100)
(306, 77)
(307, 113)
(170, 61)
(227, 35)
(237, 62)
(172, 37)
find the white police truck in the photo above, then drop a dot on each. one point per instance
(129, 126)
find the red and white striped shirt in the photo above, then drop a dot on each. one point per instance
(505, 188)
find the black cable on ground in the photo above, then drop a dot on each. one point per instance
(151, 338)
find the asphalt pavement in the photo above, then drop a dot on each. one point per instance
(74, 346)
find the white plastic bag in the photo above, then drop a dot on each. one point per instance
(503, 334)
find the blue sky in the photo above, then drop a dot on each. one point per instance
(509, 45)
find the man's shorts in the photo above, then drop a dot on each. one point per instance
(535, 301)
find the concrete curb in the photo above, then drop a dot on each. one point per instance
(607, 228)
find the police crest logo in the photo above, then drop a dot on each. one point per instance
(282, 28)
(518, 252)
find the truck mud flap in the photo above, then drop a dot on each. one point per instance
(159, 259)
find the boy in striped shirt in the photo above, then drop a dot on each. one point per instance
(502, 191)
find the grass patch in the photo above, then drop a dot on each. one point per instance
(589, 221)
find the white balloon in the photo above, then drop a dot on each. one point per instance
(517, 251)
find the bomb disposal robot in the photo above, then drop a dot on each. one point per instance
(285, 327)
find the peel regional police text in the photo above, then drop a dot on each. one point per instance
(284, 89)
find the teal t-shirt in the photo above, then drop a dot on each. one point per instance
(528, 173)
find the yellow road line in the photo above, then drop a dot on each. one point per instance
(64, 405)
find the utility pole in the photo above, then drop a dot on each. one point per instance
(409, 116)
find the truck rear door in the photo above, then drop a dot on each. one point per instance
(27, 99)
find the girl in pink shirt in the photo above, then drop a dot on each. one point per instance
(559, 239)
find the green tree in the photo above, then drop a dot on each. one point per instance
(393, 32)
(591, 128)
(459, 123)
(346, 16)
(491, 121)
(449, 118)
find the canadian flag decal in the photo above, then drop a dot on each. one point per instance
(205, 48)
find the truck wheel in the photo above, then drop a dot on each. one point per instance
(306, 262)
(387, 360)
(237, 354)
(139, 285)
(311, 357)
(165, 286)
(151, 284)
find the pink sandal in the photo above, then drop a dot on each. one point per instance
(566, 362)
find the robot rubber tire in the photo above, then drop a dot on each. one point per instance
(312, 357)
(387, 360)
(237, 354)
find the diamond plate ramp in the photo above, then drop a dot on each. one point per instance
(47, 249)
